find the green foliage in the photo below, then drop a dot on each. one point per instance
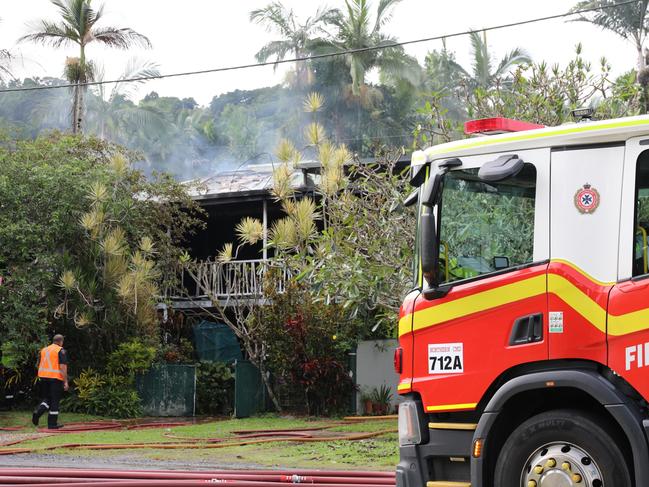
(130, 358)
(181, 353)
(103, 395)
(214, 388)
(307, 344)
(46, 186)
(112, 392)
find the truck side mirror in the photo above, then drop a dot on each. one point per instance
(429, 247)
(429, 238)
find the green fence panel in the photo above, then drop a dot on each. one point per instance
(216, 342)
(168, 390)
(249, 392)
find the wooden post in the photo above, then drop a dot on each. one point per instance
(265, 223)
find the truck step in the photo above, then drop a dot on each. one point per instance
(445, 483)
(453, 426)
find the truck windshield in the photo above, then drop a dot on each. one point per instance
(485, 227)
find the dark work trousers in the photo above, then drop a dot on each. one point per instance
(51, 392)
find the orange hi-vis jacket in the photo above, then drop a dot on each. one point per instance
(49, 367)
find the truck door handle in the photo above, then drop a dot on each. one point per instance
(527, 329)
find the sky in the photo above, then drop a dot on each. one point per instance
(191, 35)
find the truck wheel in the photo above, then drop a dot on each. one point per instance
(562, 448)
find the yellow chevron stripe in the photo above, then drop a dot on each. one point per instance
(532, 135)
(578, 301)
(452, 407)
(561, 287)
(582, 272)
(628, 323)
(405, 324)
(475, 303)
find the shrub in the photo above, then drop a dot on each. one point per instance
(181, 353)
(104, 395)
(112, 393)
(307, 344)
(214, 388)
(130, 358)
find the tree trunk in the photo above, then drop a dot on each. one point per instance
(269, 388)
(75, 107)
(79, 119)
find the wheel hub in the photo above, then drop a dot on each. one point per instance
(561, 465)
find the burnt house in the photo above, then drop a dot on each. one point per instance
(227, 198)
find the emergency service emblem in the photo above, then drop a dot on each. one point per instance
(587, 199)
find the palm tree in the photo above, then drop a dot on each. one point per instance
(78, 25)
(358, 29)
(112, 115)
(484, 72)
(297, 38)
(628, 20)
(5, 60)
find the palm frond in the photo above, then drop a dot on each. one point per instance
(384, 13)
(273, 17)
(135, 68)
(515, 57)
(120, 38)
(52, 34)
(624, 19)
(274, 49)
(481, 59)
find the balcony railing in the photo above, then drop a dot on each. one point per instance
(230, 281)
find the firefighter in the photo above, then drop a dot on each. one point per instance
(53, 379)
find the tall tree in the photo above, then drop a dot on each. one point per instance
(6, 57)
(485, 70)
(297, 38)
(628, 20)
(113, 116)
(358, 29)
(78, 25)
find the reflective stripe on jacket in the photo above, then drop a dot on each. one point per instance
(49, 367)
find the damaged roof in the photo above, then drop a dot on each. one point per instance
(253, 180)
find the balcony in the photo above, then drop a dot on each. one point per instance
(230, 283)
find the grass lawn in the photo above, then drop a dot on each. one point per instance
(374, 453)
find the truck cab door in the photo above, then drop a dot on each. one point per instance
(628, 307)
(494, 255)
(585, 213)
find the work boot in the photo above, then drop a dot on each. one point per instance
(38, 412)
(52, 420)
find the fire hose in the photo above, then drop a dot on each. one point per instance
(32, 477)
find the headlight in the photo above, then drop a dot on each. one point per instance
(409, 430)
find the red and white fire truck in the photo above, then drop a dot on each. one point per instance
(524, 347)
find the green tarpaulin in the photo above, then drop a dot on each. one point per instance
(215, 342)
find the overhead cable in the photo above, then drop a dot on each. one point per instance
(345, 52)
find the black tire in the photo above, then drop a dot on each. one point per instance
(580, 429)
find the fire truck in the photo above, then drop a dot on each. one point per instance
(524, 346)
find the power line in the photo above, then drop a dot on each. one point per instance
(324, 55)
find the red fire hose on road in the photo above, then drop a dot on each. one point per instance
(31, 477)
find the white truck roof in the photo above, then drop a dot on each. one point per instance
(600, 132)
